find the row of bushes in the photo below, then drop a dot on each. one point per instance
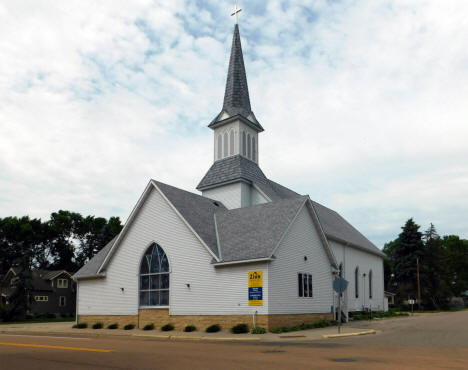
(237, 329)
(304, 326)
(355, 316)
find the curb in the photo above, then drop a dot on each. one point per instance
(372, 331)
(181, 337)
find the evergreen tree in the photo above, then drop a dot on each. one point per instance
(434, 271)
(407, 249)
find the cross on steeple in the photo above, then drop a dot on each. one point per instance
(236, 12)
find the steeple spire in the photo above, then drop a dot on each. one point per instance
(236, 95)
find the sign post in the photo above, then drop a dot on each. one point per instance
(339, 285)
(256, 288)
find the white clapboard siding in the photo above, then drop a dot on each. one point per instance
(351, 258)
(230, 195)
(302, 239)
(213, 291)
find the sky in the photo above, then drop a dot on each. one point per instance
(364, 103)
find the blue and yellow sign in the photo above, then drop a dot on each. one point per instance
(256, 288)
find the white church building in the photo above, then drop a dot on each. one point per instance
(247, 250)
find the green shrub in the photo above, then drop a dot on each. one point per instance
(81, 325)
(240, 329)
(258, 330)
(148, 327)
(98, 325)
(167, 327)
(129, 326)
(276, 330)
(190, 328)
(213, 328)
(113, 326)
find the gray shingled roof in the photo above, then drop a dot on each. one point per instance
(336, 227)
(253, 232)
(231, 169)
(198, 211)
(91, 268)
(236, 96)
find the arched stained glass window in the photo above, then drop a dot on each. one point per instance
(225, 143)
(249, 146)
(370, 284)
(220, 147)
(231, 142)
(244, 145)
(254, 150)
(154, 277)
(356, 282)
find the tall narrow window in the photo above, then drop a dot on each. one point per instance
(254, 150)
(154, 277)
(304, 282)
(244, 145)
(300, 285)
(341, 270)
(356, 282)
(220, 147)
(225, 143)
(231, 142)
(249, 146)
(370, 284)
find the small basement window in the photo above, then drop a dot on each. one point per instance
(304, 282)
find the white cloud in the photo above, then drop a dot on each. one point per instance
(364, 103)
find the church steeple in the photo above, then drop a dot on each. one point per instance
(236, 95)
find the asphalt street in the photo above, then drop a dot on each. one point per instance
(419, 342)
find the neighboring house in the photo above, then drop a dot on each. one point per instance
(49, 292)
(247, 250)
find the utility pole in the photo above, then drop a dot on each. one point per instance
(419, 285)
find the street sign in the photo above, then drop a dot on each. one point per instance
(256, 288)
(340, 284)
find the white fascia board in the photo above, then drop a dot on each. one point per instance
(59, 273)
(185, 222)
(287, 229)
(217, 238)
(216, 264)
(126, 226)
(328, 250)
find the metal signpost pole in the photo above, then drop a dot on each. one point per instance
(339, 313)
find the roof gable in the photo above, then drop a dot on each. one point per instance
(254, 232)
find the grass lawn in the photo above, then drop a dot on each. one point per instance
(41, 320)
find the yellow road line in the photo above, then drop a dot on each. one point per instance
(55, 347)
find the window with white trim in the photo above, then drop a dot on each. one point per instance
(62, 283)
(304, 282)
(154, 277)
(41, 298)
(62, 301)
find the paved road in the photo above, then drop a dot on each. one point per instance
(426, 341)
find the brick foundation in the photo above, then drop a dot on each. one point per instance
(161, 317)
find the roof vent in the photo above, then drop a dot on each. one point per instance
(216, 204)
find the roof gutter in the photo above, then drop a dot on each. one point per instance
(377, 253)
(90, 277)
(219, 264)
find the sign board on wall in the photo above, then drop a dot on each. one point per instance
(256, 288)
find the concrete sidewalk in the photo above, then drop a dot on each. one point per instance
(65, 328)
